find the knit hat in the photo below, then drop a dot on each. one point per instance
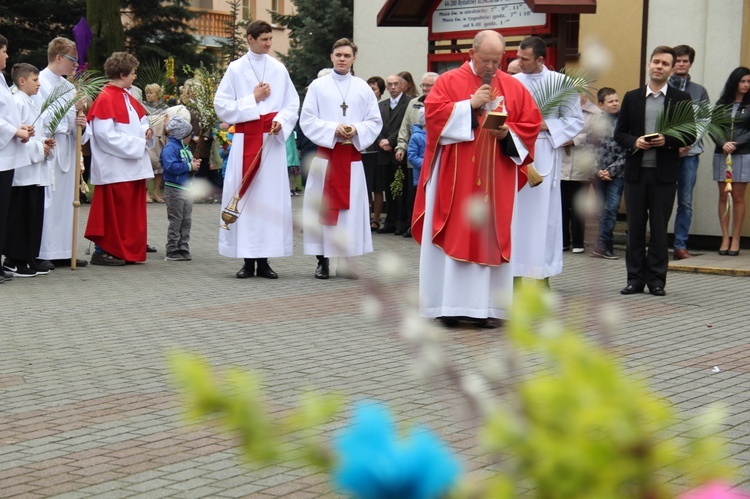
(178, 127)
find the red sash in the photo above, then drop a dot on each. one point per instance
(338, 180)
(253, 140)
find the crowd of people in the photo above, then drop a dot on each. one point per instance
(489, 205)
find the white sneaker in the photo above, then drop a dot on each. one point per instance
(577, 250)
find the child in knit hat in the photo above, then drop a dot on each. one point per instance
(178, 163)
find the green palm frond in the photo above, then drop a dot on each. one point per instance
(688, 121)
(151, 71)
(87, 85)
(57, 93)
(553, 94)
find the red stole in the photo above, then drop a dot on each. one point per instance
(110, 105)
(337, 183)
(253, 140)
(474, 176)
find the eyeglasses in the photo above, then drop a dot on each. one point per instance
(70, 58)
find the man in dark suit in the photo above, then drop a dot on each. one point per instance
(392, 112)
(651, 173)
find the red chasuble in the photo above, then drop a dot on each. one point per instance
(473, 172)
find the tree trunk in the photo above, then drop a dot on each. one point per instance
(105, 21)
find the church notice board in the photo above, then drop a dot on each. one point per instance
(451, 19)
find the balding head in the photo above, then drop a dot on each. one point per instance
(514, 67)
(487, 52)
(491, 40)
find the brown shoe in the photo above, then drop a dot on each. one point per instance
(681, 254)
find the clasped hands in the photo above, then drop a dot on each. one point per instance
(25, 133)
(262, 91)
(346, 132)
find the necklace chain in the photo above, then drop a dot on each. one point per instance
(263, 76)
(343, 95)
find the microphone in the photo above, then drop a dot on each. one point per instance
(487, 79)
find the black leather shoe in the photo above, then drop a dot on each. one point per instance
(484, 324)
(150, 249)
(387, 229)
(407, 233)
(321, 272)
(631, 289)
(723, 252)
(398, 232)
(265, 270)
(733, 253)
(245, 272)
(657, 291)
(449, 322)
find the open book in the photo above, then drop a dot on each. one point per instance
(494, 120)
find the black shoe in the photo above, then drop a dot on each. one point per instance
(398, 232)
(36, 269)
(733, 253)
(65, 262)
(657, 291)
(150, 249)
(449, 322)
(600, 253)
(7, 276)
(174, 256)
(407, 233)
(186, 255)
(246, 271)
(321, 272)
(18, 269)
(723, 252)
(631, 289)
(44, 265)
(387, 229)
(265, 270)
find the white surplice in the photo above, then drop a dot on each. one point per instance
(119, 151)
(452, 288)
(264, 227)
(12, 151)
(321, 114)
(537, 220)
(57, 234)
(36, 171)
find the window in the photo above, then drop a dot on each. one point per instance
(247, 9)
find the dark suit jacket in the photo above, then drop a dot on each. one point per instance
(631, 125)
(392, 119)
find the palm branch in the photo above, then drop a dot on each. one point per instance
(149, 72)
(85, 86)
(688, 121)
(552, 95)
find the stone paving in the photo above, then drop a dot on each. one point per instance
(88, 409)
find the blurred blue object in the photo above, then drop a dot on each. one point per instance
(374, 464)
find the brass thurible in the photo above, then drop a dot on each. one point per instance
(230, 213)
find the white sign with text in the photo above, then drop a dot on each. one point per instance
(471, 15)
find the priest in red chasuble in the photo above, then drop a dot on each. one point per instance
(467, 189)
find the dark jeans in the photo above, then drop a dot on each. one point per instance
(572, 222)
(610, 194)
(6, 183)
(684, 215)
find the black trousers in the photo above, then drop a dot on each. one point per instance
(6, 183)
(23, 235)
(648, 201)
(573, 223)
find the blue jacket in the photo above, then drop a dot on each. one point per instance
(415, 153)
(176, 160)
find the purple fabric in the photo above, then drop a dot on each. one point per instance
(83, 36)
